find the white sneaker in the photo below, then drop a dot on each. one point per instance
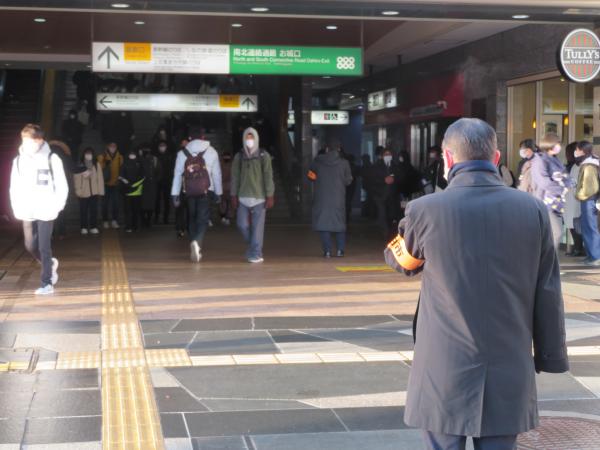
(210, 224)
(54, 271)
(225, 221)
(94, 231)
(106, 225)
(46, 290)
(195, 254)
(115, 224)
(256, 260)
(84, 231)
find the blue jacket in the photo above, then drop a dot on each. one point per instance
(550, 182)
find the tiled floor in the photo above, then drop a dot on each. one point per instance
(293, 306)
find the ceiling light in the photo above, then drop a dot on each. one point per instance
(390, 13)
(331, 27)
(39, 20)
(236, 25)
(260, 9)
(520, 16)
(139, 22)
(120, 5)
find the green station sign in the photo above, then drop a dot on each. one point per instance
(286, 60)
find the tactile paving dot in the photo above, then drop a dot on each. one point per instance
(562, 433)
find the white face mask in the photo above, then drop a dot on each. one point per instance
(132, 157)
(89, 157)
(387, 159)
(578, 153)
(250, 143)
(162, 149)
(29, 146)
(523, 153)
(112, 149)
(556, 150)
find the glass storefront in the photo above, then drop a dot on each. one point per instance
(549, 104)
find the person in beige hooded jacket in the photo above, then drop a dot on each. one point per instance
(89, 187)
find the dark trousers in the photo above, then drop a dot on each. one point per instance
(60, 224)
(437, 441)
(387, 215)
(88, 212)
(38, 242)
(577, 241)
(589, 229)
(163, 203)
(340, 239)
(132, 212)
(181, 214)
(110, 203)
(198, 217)
(556, 222)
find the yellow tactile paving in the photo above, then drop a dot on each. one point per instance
(130, 417)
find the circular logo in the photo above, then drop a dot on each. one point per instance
(580, 55)
(346, 63)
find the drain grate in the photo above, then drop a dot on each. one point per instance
(561, 433)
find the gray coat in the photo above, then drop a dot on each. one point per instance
(491, 287)
(329, 199)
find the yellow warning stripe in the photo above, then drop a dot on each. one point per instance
(365, 269)
(130, 418)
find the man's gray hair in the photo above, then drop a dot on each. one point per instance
(471, 139)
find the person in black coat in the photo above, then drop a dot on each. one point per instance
(384, 180)
(434, 174)
(132, 184)
(72, 132)
(166, 160)
(152, 176)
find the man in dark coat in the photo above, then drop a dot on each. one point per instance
(491, 287)
(385, 179)
(331, 174)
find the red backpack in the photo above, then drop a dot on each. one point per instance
(196, 180)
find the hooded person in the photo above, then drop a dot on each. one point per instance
(331, 174)
(252, 192)
(132, 184)
(198, 175)
(38, 193)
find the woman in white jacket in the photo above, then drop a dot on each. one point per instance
(38, 192)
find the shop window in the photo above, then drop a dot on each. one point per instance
(584, 107)
(555, 109)
(522, 119)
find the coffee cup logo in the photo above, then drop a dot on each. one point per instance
(580, 56)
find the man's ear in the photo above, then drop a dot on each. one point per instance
(497, 157)
(449, 159)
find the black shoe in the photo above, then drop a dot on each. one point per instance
(327, 255)
(340, 253)
(180, 234)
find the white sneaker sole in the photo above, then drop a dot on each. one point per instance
(195, 254)
(55, 264)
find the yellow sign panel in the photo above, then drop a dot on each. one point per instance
(137, 51)
(229, 101)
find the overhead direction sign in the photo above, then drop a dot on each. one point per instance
(323, 118)
(225, 59)
(176, 102)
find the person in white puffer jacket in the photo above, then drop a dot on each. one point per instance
(38, 193)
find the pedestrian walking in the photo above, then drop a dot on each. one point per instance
(252, 193)
(111, 162)
(551, 182)
(572, 216)
(588, 190)
(38, 192)
(89, 187)
(132, 185)
(166, 161)
(490, 293)
(198, 175)
(330, 174)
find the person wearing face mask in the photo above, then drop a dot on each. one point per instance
(132, 184)
(434, 173)
(166, 160)
(572, 216)
(587, 192)
(38, 192)
(527, 150)
(490, 293)
(72, 131)
(252, 193)
(89, 187)
(551, 182)
(152, 175)
(384, 187)
(111, 162)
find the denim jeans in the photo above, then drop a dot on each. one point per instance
(38, 242)
(251, 223)
(340, 239)
(110, 203)
(198, 217)
(438, 441)
(589, 229)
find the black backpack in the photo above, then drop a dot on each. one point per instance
(196, 180)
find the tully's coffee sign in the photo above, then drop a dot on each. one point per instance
(580, 56)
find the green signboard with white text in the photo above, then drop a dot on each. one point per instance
(279, 60)
(145, 57)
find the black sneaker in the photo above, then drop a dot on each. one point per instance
(340, 253)
(327, 255)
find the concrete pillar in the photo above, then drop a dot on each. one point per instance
(303, 144)
(47, 109)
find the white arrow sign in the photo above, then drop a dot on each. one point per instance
(176, 102)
